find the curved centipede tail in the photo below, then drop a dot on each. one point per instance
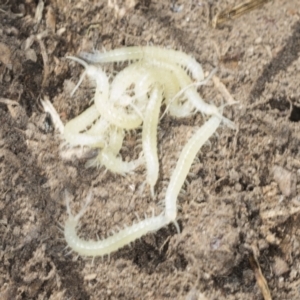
(114, 242)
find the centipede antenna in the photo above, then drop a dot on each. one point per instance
(85, 65)
(79, 83)
(80, 61)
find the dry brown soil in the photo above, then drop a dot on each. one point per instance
(241, 198)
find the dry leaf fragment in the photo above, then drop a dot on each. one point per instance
(260, 279)
(285, 180)
(51, 19)
(39, 11)
(5, 55)
(236, 11)
(280, 267)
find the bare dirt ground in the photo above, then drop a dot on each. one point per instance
(241, 201)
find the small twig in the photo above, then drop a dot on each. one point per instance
(260, 279)
(236, 11)
(39, 38)
(8, 101)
